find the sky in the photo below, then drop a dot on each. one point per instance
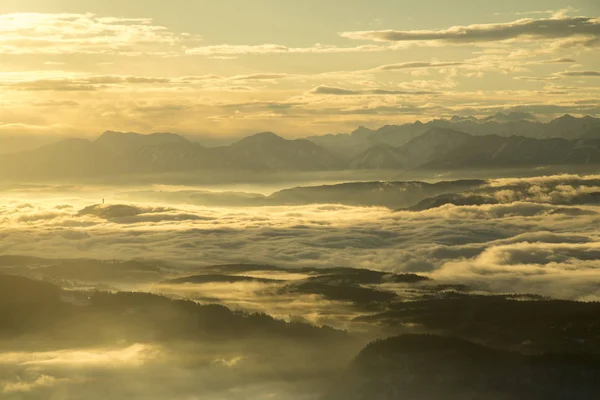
(235, 67)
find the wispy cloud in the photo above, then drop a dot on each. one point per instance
(260, 49)
(418, 64)
(521, 30)
(55, 34)
(558, 61)
(329, 90)
(581, 73)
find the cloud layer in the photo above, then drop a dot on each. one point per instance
(527, 234)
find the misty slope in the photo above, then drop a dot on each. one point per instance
(433, 367)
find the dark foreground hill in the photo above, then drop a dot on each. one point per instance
(423, 367)
(39, 309)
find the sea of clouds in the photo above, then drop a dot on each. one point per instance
(531, 240)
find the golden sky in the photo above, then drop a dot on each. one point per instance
(233, 67)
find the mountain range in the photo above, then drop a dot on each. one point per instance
(511, 124)
(458, 143)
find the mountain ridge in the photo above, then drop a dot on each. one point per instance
(424, 147)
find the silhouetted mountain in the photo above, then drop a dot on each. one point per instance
(436, 368)
(439, 144)
(521, 124)
(511, 116)
(345, 145)
(380, 156)
(511, 124)
(570, 127)
(433, 144)
(516, 151)
(116, 153)
(268, 151)
(362, 132)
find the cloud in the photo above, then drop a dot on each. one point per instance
(133, 355)
(54, 34)
(58, 85)
(33, 217)
(537, 210)
(54, 103)
(24, 386)
(558, 61)
(581, 73)
(262, 49)
(545, 179)
(221, 368)
(555, 13)
(328, 90)
(333, 91)
(258, 77)
(417, 64)
(519, 30)
(564, 270)
(81, 83)
(536, 78)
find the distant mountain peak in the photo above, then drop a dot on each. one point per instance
(262, 138)
(361, 131)
(566, 117)
(458, 118)
(514, 116)
(267, 134)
